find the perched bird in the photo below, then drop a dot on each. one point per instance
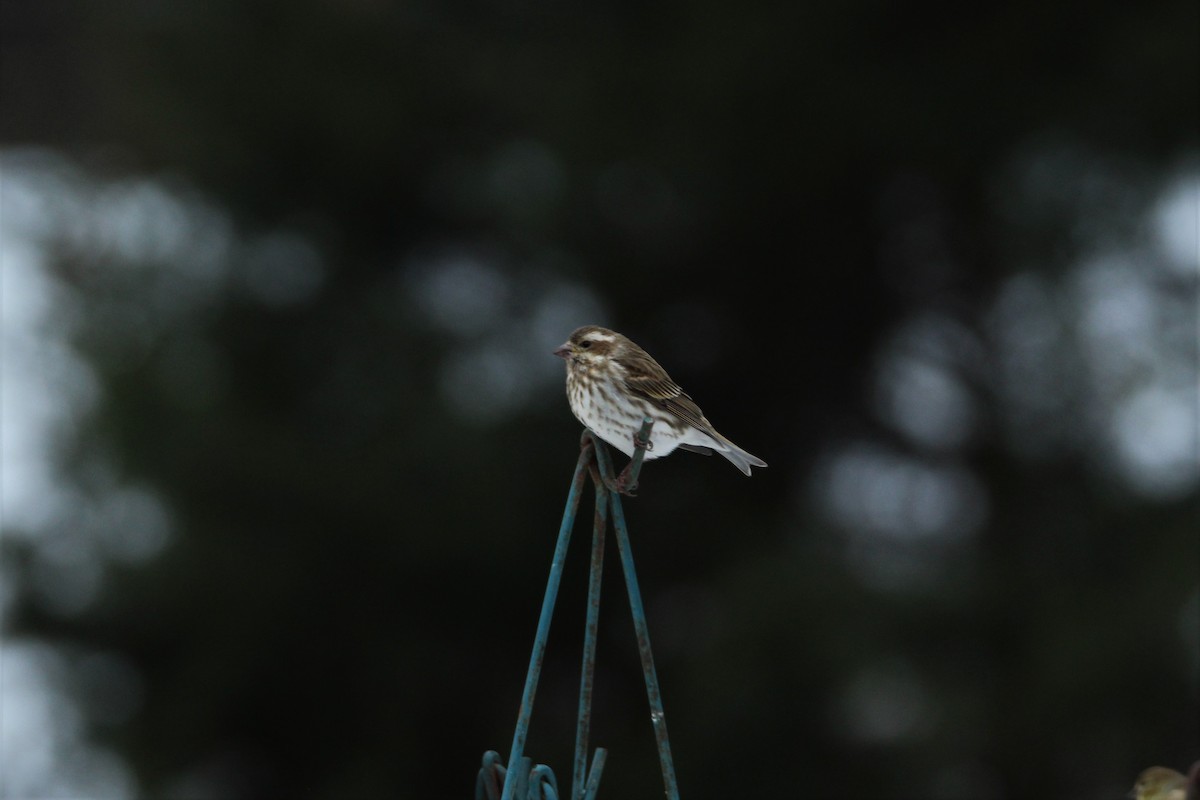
(612, 384)
(1159, 783)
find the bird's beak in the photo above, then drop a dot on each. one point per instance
(563, 350)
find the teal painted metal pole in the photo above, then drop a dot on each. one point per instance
(517, 750)
(587, 672)
(593, 783)
(542, 785)
(490, 778)
(658, 717)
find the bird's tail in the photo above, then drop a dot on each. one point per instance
(737, 456)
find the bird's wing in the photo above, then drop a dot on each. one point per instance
(645, 378)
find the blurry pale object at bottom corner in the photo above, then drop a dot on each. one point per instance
(1163, 783)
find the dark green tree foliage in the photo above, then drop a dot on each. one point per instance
(333, 377)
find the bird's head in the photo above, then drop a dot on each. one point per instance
(589, 346)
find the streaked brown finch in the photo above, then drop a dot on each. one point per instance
(612, 384)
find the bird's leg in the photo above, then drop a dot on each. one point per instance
(622, 484)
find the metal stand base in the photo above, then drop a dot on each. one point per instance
(538, 783)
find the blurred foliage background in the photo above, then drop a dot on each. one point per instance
(285, 448)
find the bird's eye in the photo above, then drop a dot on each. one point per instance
(585, 344)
